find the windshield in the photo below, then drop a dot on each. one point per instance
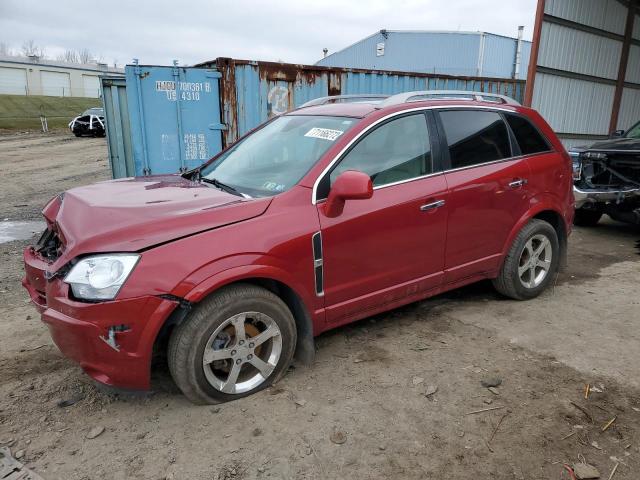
(275, 158)
(634, 132)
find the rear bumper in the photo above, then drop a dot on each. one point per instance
(585, 197)
(79, 329)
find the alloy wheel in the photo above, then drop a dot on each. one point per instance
(535, 261)
(242, 352)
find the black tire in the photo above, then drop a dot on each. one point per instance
(189, 339)
(77, 134)
(508, 282)
(586, 218)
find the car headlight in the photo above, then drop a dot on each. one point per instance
(576, 165)
(100, 277)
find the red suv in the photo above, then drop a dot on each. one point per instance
(331, 213)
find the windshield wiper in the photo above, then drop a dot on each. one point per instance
(222, 186)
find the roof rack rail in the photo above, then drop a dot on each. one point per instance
(344, 99)
(446, 95)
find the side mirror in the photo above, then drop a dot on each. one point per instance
(350, 185)
(617, 134)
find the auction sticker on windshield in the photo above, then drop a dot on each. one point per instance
(324, 133)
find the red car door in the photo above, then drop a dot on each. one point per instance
(488, 190)
(389, 249)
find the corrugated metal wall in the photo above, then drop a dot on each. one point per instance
(116, 107)
(588, 104)
(608, 15)
(581, 52)
(629, 108)
(574, 81)
(447, 53)
(498, 56)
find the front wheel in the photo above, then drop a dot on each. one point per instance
(531, 263)
(236, 342)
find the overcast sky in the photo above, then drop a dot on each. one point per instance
(192, 31)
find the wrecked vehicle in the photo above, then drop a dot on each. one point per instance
(607, 179)
(91, 122)
(322, 216)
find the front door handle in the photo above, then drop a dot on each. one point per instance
(518, 183)
(432, 205)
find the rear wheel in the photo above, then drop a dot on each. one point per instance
(531, 263)
(235, 343)
(586, 218)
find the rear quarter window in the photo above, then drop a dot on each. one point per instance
(528, 137)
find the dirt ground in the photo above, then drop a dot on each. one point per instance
(369, 384)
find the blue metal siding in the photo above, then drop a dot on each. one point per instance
(524, 64)
(116, 108)
(499, 57)
(445, 53)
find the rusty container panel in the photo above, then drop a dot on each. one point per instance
(252, 91)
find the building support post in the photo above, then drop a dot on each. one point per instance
(622, 68)
(533, 60)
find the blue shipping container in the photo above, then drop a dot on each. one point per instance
(179, 117)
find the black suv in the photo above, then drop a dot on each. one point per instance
(606, 178)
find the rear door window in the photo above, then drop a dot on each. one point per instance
(475, 137)
(528, 137)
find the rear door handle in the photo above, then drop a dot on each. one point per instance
(432, 205)
(518, 183)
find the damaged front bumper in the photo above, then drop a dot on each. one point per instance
(112, 340)
(584, 197)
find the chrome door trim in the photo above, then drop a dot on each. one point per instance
(413, 179)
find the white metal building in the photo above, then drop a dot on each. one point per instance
(584, 72)
(34, 76)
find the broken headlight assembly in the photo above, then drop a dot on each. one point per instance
(100, 277)
(576, 165)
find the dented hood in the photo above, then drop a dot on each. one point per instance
(132, 214)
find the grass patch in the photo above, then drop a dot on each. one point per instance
(22, 112)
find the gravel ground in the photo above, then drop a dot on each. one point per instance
(372, 383)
